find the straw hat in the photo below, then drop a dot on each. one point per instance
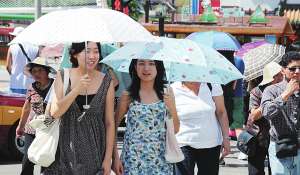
(16, 31)
(39, 61)
(269, 71)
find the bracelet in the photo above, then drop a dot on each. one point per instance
(227, 137)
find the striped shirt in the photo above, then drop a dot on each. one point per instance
(273, 107)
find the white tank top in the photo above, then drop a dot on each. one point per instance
(17, 79)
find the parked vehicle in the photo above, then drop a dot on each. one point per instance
(10, 112)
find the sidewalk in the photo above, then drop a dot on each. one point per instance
(233, 166)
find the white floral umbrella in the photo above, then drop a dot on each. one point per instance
(83, 24)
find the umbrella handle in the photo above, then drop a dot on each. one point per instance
(86, 106)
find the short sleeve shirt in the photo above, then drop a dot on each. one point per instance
(199, 127)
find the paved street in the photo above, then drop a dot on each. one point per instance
(233, 165)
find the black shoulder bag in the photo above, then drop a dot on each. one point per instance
(22, 48)
(287, 145)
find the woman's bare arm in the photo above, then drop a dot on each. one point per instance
(222, 117)
(109, 122)
(122, 109)
(169, 100)
(61, 103)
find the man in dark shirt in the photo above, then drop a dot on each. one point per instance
(283, 98)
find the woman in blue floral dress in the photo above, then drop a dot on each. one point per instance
(145, 104)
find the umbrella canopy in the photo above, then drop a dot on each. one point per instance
(83, 24)
(184, 60)
(216, 40)
(53, 51)
(256, 59)
(248, 46)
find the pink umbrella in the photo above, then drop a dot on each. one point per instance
(248, 46)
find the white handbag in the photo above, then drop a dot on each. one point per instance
(173, 152)
(43, 148)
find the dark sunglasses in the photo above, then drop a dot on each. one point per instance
(293, 69)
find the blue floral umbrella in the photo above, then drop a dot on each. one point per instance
(216, 40)
(184, 60)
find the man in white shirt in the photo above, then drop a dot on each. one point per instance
(15, 62)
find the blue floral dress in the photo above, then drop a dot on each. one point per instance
(144, 141)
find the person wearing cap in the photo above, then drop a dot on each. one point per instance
(34, 104)
(15, 62)
(279, 104)
(271, 75)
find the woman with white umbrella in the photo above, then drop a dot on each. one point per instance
(86, 134)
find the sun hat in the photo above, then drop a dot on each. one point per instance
(269, 71)
(16, 31)
(39, 61)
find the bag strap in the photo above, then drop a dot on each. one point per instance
(22, 48)
(209, 86)
(66, 79)
(288, 122)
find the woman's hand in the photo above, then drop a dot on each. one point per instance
(226, 147)
(19, 131)
(83, 84)
(169, 98)
(106, 166)
(117, 166)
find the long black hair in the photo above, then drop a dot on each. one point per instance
(159, 82)
(77, 48)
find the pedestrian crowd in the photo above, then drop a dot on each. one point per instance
(205, 115)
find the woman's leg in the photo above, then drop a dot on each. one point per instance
(27, 166)
(187, 166)
(208, 160)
